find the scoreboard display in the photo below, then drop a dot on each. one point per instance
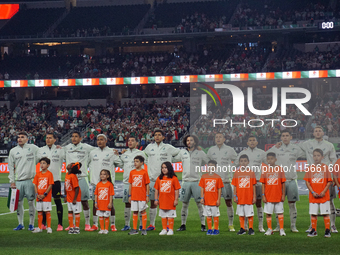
(326, 25)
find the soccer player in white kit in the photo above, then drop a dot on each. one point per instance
(192, 159)
(101, 158)
(224, 155)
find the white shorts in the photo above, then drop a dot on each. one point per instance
(324, 208)
(245, 210)
(167, 213)
(43, 206)
(270, 208)
(74, 208)
(138, 206)
(104, 214)
(211, 211)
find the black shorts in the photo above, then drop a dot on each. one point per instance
(56, 190)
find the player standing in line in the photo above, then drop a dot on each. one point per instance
(57, 157)
(244, 182)
(256, 157)
(273, 192)
(43, 183)
(166, 196)
(102, 158)
(139, 194)
(127, 159)
(318, 180)
(21, 166)
(157, 153)
(104, 193)
(211, 188)
(286, 156)
(224, 155)
(191, 159)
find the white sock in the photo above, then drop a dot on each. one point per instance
(113, 219)
(246, 223)
(127, 216)
(184, 212)
(230, 212)
(87, 216)
(20, 212)
(260, 216)
(200, 212)
(277, 221)
(153, 214)
(292, 214)
(31, 210)
(95, 220)
(140, 220)
(332, 215)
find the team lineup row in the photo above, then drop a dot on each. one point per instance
(23, 158)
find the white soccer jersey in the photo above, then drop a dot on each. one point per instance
(127, 160)
(21, 162)
(191, 164)
(224, 157)
(57, 157)
(256, 157)
(327, 148)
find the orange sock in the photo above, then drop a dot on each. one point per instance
(314, 220)
(251, 221)
(70, 220)
(280, 217)
(101, 222)
(242, 221)
(269, 221)
(164, 222)
(48, 219)
(144, 220)
(40, 219)
(107, 223)
(135, 221)
(326, 219)
(77, 220)
(216, 222)
(209, 222)
(171, 223)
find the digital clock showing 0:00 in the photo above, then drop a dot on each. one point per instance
(326, 25)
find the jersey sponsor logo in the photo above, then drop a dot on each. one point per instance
(244, 182)
(42, 183)
(68, 185)
(103, 193)
(137, 180)
(44, 153)
(273, 179)
(210, 185)
(165, 186)
(318, 178)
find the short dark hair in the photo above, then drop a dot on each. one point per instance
(219, 133)
(131, 136)
(76, 132)
(286, 131)
(47, 160)
(50, 133)
(271, 154)
(23, 133)
(214, 162)
(244, 156)
(252, 136)
(158, 131)
(318, 150)
(140, 158)
(193, 136)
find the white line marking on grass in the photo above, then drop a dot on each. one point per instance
(24, 210)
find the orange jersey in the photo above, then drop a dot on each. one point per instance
(336, 170)
(211, 184)
(71, 182)
(139, 180)
(103, 192)
(167, 187)
(244, 182)
(273, 178)
(43, 181)
(318, 179)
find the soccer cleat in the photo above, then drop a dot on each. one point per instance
(163, 232)
(30, 227)
(113, 228)
(333, 229)
(269, 232)
(93, 228)
(277, 229)
(215, 232)
(261, 229)
(251, 232)
(209, 232)
(231, 228)
(87, 227)
(294, 229)
(60, 227)
(140, 228)
(125, 228)
(133, 232)
(312, 233)
(182, 228)
(43, 227)
(105, 232)
(203, 228)
(76, 231)
(19, 227)
(282, 232)
(67, 229)
(242, 231)
(327, 233)
(170, 232)
(70, 231)
(144, 233)
(309, 229)
(101, 231)
(150, 228)
(49, 230)
(37, 230)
